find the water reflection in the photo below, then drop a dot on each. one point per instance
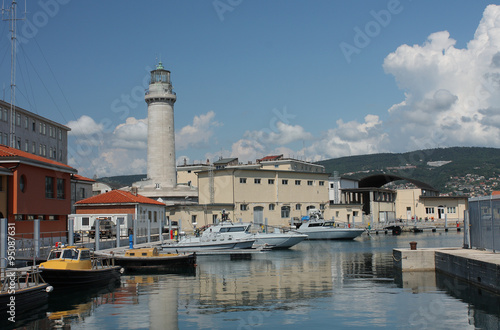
(316, 284)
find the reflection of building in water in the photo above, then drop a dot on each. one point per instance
(163, 307)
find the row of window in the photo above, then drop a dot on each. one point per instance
(30, 122)
(55, 187)
(42, 148)
(284, 182)
(450, 209)
(33, 217)
(285, 210)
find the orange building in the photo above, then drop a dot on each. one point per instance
(34, 187)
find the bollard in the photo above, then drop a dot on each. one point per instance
(413, 245)
(131, 241)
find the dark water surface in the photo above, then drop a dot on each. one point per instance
(315, 285)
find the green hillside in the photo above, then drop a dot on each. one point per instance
(479, 162)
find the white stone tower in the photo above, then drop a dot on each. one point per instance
(161, 134)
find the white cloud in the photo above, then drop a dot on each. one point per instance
(283, 134)
(84, 126)
(132, 134)
(198, 134)
(451, 95)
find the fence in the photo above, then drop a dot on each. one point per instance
(484, 218)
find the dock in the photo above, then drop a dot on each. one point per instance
(479, 267)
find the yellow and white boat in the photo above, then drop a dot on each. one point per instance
(150, 259)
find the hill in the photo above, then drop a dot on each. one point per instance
(471, 170)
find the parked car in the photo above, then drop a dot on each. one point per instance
(107, 228)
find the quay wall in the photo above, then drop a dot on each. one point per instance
(481, 268)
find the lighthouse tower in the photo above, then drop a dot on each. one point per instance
(161, 134)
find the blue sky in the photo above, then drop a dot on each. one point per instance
(255, 78)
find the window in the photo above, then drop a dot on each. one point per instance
(26, 122)
(321, 206)
(155, 216)
(193, 218)
(284, 181)
(271, 207)
(243, 180)
(22, 183)
(270, 181)
(243, 207)
(33, 148)
(40, 149)
(85, 221)
(297, 207)
(451, 209)
(285, 211)
(322, 183)
(49, 187)
(26, 146)
(149, 216)
(33, 124)
(51, 131)
(60, 134)
(297, 182)
(82, 193)
(60, 189)
(18, 119)
(331, 185)
(429, 210)
(18, 143)
(44, 150)
(257, 181)
(309, 183)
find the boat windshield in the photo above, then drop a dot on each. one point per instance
(70, 254)
(54, 255)
(329, 224)
(232, 229)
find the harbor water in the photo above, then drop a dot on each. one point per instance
(315, 285)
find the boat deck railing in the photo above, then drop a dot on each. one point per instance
(19, 278)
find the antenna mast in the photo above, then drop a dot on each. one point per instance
(12, 17)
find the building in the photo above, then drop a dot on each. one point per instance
(122, 207)
(32, 133)
(419, 204)
(81, 188)
(34, 187)
(161, 180)
(100, 188)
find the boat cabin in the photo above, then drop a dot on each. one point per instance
(147, 252)
(69, 257)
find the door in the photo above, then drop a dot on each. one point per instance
(440, 212)
(258, 215)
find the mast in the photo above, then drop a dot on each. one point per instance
(12, 17)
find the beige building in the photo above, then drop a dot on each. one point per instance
(418, 203)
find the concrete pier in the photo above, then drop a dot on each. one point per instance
(481, 268)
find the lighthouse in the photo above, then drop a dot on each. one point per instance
(160, 98)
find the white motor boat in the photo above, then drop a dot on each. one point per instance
(318, 228)
(209, 241)
(271, 240)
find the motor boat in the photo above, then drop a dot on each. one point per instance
(315, 227)
(209, 241)
(275, 239)
(150, 259)
(71, 266)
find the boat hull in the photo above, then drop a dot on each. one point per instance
(198, 245)
(277, 241)
(26, 298)
(168, 264)
(77, 278)
(334, 233)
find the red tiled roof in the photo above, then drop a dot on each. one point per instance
(13, 152)
(268, 158)
(118, 197)
(82, 178)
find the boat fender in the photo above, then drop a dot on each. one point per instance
(50, 288)
(122, 270)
